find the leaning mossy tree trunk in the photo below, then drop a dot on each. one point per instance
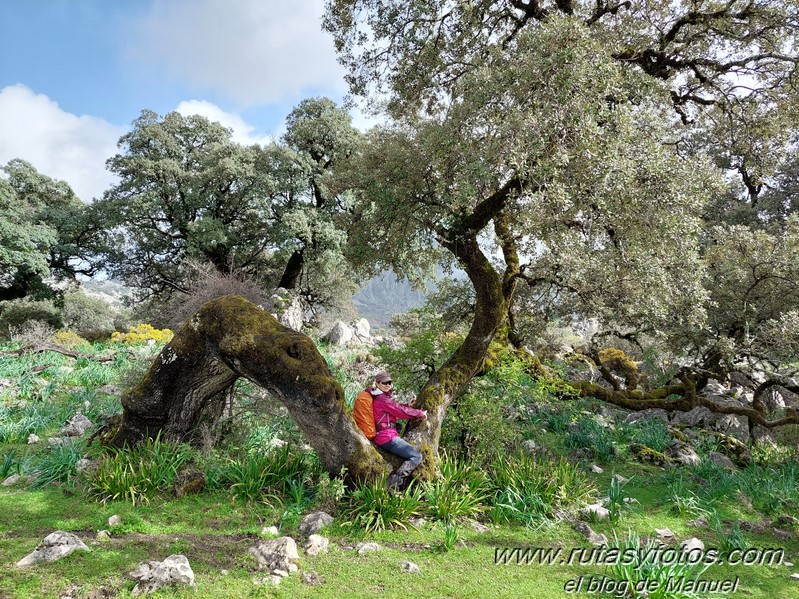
(230, 338)
(494, 294)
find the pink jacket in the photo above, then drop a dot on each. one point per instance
(387, 412)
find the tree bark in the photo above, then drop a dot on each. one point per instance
(444, 385)
(230, 337)
(293, 270)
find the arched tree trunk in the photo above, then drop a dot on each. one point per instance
(230, 337)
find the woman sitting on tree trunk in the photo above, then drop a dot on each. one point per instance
(386, 413)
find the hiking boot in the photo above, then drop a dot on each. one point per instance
(394, 483)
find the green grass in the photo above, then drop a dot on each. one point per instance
(526, 500)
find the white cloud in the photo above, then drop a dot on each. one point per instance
(249, 51)
(242, 132)
(58, 144)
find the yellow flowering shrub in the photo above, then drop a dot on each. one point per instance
(70, 340)
(141, 333)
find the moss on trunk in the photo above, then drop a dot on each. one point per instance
(230, 337)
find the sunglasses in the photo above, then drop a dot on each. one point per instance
(387, 383)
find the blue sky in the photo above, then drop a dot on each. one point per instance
(75, 73)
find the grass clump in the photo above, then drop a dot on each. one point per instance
(137, 474)
(643, 570)
(526, 490)
(371, 507)
(460, 491)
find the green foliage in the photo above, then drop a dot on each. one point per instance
(57, 464)
(425, 345)
(460, 491)
(647, 566)
(17, 422)
(88, 316)
(14, 314)
(527, 490)
(772, 488)
(371, 507)
(10, 464)
(477, 428)
(450, 536)
(729, 539)
(297, 499)
(618, 502)
(684, 502)
(587, 433)
(42, 227)
(265, 477)
(137, 474)
(329, 492)
(652, 432)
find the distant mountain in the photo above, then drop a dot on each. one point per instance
(384, 296)
(378, 300)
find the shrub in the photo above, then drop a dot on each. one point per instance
(18, 312)
(70, 340)
(142, 333)
(87, 315)
(426, 345)
(477, 430)
(329, 492)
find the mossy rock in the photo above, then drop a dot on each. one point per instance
(189, 481)
(734, 449)
(678, 434)
(647, 455)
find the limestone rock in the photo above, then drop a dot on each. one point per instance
(664, 533)
(734, 426)
(595, 510)
(115, 520)
(699, 416)
(316, 544)
(683, 454)
(722, 461)
(340, 334)
(287, 308)
(362, 330)
(410, 567)
(55, 546)
(312, 579)
(12, 480)
(275, 554)
(76, 426)
(152, 575)
(314, 522)
(362, 548)
(270, 530)
(33, 438)
(650, 414)
(692, 544)
(596, 469)
(593, 537)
